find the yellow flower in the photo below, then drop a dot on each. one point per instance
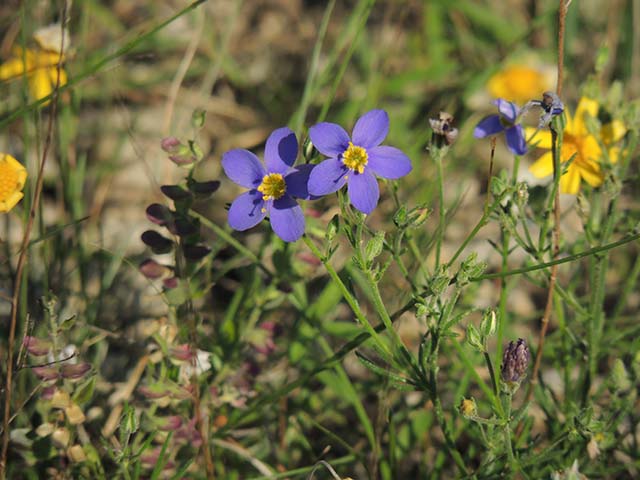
(520, 83)
(577, 140)
(40, 65)
(12, 178)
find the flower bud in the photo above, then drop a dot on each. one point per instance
(443, 132)
(36, 346)
(74, 414)
(515, 362)
(473, 338)
(46, 373)
(75, 372)
(76, 454)
(468, 408)
(61, 437)
(489, 323)
(170, 144)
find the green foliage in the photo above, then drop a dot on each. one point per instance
(373, 347)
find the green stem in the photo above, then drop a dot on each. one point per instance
(481, 223)
(353, 303)
(441, 210)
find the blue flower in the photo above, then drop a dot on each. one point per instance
(272, 189)
(356, 161)
(505, 122)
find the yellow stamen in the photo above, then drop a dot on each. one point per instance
(355, 158)
(272, 187)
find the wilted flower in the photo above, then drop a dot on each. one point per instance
(272, 190)
(505, 121)
(581, 146)
(12, 178)
(356, 161)
(515, 361)
(443, 131)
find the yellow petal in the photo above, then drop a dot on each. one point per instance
(40, 84)
(591, 173)
(11, 201)
(12, 68)
(586, 106)
(47, 59)
(543, 167)
(591, 149)
(614, 154)
(53, 76)
(517, 83)
(612, 132)
(537, 137)
(570, 181)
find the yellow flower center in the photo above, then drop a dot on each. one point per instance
(272, 187)
(355, 158)
(9, 180)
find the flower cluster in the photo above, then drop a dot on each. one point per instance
(275, 187)
(584, 149)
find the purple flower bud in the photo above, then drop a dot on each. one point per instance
(36, 346)
(170, 144)
(170, 423)
(515, 361)
(75, 372)
(46, 373)
(153, 393)
(182, 352)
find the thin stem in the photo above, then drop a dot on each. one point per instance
(353, 303)
(441, 209)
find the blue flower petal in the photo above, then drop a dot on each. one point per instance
(246, 211)
(243, 167)
(489, 126)
(371, 129)
(287, 219)
(363, 191)
(330, 139)
(388, 162)
(508, 110)
(327, 177)
(297, 180)
(515, 140)
(281, 150)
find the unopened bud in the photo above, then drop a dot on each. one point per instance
(515, 362)
(468, 408)
(489, 323)
(36, 346)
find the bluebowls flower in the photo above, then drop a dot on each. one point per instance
(356, 161)
(505, 122)
(273, 189)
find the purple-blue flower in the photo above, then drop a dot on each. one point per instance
(504, 121)
(271, 189)
(357, 160)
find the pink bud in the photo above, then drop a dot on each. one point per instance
(36, 346)
(181, 353)
(170, 144)
(46, 373)
(75, 372)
